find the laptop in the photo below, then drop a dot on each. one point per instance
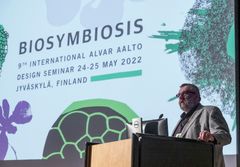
(153, 127)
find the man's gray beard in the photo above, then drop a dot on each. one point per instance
(187, 107)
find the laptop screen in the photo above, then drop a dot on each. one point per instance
(155, 127)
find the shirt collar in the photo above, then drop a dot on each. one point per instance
(189, 113)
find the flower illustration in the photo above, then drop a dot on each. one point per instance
(20, 115)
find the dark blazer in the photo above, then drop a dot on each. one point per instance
(209, 118)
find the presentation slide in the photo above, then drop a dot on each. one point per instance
(73, 71)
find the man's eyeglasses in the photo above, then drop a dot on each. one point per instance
(185, 95)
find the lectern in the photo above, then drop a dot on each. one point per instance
(150, 151)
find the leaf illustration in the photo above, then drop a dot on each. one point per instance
(3, 145)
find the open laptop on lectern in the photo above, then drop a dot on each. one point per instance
(155, 127)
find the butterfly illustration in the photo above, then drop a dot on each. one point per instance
(20, 115)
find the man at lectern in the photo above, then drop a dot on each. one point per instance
(200, 122)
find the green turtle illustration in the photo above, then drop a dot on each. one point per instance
(96, 120)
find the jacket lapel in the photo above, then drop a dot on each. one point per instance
(175, 127)
(191, 120)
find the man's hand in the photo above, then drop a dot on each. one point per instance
(206, 136)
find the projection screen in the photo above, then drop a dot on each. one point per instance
(73, 71)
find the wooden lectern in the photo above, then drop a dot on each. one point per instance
(150, 151)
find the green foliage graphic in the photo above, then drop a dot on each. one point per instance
(3, 46)
(206, 50)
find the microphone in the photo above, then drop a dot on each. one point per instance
(160, 116)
